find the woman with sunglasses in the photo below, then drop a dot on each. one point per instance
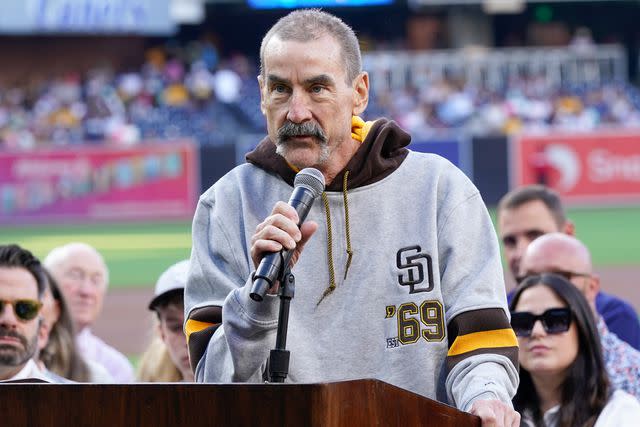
(563, 382)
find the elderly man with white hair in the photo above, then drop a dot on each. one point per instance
(83, 278)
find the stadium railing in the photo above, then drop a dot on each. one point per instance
(493, 68)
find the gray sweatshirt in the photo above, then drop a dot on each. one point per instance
(421, 306)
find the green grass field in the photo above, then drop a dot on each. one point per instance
(137, 253)
(612, 234)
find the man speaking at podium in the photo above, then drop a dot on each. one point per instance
(397, 268)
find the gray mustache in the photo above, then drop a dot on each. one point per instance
(290, 129)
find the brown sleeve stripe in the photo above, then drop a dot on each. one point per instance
(486, 339)
(199, 329)
(484, 331)
(509, 352)
(198, 343)
(210, 313)
(486, 319)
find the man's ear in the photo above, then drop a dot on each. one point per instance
(594, 286)
(360, 93)
(569, 228)
(262, 94)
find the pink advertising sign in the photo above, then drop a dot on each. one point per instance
(100, 183)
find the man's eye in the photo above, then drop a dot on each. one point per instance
(317, 89)
(532, 235)
(509, 241)
(279, 88)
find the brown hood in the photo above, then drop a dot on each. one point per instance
(381, 152)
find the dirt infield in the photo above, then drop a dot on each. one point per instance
(127, 324)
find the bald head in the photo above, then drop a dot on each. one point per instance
(83, 276)
(563, 254)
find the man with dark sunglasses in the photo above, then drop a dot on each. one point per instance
(528, 212)
(22, 283)
(566, 256)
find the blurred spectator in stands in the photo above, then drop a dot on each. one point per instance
(82, 275)
(200, 82)
(161, 100)
(582, 40)
(58, 351)
(527, 213)
(175, 93)
(566, 256)
(563, 381)
(167, 358)
(22, 283)
(226, 85)
(105, 109)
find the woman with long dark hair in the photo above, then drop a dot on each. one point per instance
(563, 381)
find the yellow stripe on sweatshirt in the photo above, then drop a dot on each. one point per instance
(486, 339)
(195, 326)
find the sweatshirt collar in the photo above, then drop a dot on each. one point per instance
(382, 150)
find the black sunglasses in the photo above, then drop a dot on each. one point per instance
(566, 274)
(25, 309)
(554, 321)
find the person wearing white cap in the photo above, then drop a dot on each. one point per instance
(170, 363)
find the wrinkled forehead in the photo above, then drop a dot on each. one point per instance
(323, 50)
(17, 283)
(532, 215)
(85, 260)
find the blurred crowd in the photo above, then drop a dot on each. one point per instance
(523, 104)
(190, 91)
(179, 91)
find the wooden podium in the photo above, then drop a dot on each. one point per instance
(348, 403)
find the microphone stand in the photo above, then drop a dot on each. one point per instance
(279, 356)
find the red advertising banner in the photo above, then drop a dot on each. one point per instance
(584, 168)
(100, 183)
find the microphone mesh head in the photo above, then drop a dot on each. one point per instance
(310, 178)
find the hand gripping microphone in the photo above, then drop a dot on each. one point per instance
(308, 184)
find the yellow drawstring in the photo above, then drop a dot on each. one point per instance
(332, 273)
(346, 221)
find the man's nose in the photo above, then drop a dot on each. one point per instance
(8, 315)
(299, 110)
(521, 248)
(86, 287)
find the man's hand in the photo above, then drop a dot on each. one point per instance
(280, 230)
(495, 413)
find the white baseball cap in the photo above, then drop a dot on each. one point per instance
(173, 279)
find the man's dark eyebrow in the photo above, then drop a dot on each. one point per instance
(273, 79)
(322, 79)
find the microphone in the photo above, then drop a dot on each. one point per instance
(307, 185)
